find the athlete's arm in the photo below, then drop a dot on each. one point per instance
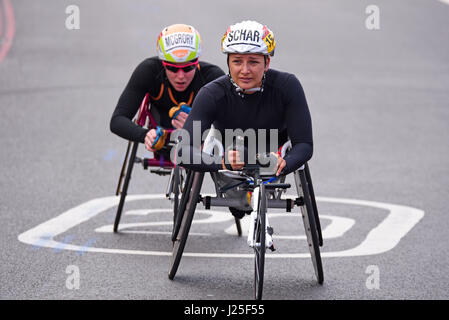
(203, 114)
(299, 126)
(129, 102)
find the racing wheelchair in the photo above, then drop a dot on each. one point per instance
(159, 164)
(266, 192)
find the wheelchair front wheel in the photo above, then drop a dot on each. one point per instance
(259, 244)
(176, 186)
(179, 180)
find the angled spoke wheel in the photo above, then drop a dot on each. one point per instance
(186, 222)
(181, 207)
(130, 163)
(310, 225)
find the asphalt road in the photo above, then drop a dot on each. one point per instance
(379, 104)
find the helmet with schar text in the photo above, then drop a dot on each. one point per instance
(248, 37)
(179, 43)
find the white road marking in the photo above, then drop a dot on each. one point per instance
(158, 232)
(143, 212)
(384, 237)
(215, 217)
(337, 227)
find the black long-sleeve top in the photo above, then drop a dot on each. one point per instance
(282, 105)
(149, 77)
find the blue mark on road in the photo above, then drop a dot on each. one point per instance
(110, 155)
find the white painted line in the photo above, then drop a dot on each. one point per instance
(143, 212)
(158, 232)
(399, 221)
(43, 234)
(337, 228)
(215, 217)
(387, 234)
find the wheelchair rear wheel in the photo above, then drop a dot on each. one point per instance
(128, 165)
(179, 211)
(186, 221)
(314, 206)
(310, 224)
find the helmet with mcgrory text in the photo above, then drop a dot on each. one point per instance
(179, 43)
(248, 37)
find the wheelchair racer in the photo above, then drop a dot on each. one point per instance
(172, 79)
(251, 96)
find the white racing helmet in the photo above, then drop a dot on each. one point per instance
(179, 43)
(248, 37)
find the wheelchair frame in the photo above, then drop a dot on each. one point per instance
(266, 196)
(164, 167)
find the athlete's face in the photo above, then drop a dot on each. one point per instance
(180, 79)
(247, 69)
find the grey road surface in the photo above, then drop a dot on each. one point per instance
(379, 101)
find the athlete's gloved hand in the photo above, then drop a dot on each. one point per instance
(179, 114)
(176, 110)
(281, 163)
(235, 154)
(155, 139)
